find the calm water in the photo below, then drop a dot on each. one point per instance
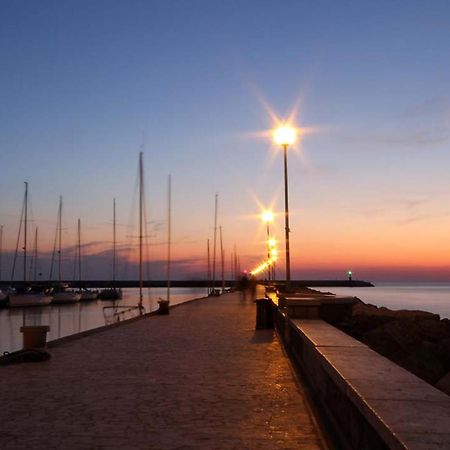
(432, 297)
(69, 319)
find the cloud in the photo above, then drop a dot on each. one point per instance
(413, 219)
(433, 106)
(413, 138)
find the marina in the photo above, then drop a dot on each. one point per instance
(69, 319)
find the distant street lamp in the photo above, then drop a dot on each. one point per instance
(267, 218)
(286, 136)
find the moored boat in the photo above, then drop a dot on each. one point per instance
(3, 299)
(26, 295)
(61, 294)
(88, 294)
(110, 294)
(29, 296)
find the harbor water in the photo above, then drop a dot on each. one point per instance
(431, 297)
(68, 319)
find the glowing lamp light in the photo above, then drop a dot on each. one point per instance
(284, 135)
(272, 243)
(267, 216)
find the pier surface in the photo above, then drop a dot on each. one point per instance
(200, 378)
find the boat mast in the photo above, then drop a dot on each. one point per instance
(25, 233)
(169, 232)
(1, 250)
(59, 237)
(209, 266)
(79, 253)
(141, 198)
(222, 259)
(33, 264)
(114, 243)
(235, 265)
(214, 247)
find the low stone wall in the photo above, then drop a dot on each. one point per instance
(367, 401)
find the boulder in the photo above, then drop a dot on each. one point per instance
(416, 340)
(444, 383)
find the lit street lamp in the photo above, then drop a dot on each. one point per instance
(286, 136)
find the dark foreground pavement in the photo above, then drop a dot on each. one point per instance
(200, 378)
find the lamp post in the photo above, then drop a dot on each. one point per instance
(286, 136)
(267, 217)
(273, 256)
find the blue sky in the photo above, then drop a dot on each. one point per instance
(85, 84)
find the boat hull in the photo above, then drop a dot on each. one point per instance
(17, 300)
(66, 297)
(110, 294)
(88, 296)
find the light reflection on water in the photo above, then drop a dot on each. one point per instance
(68, 319)
(432, 297)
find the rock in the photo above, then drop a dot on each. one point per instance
(433, 330)
(372, 310)
(394, 339)
(416, 340)
(444, 383)
(425, 362)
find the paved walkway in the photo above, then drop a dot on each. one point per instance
(200, 378)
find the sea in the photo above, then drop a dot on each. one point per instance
(431, 297)
(68, 319)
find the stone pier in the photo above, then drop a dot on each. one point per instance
(199, 378)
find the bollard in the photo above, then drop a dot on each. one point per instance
(34, 336)
(163, 308)
(264, 317)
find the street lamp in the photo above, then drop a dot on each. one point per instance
(267, 218)
(285, 136)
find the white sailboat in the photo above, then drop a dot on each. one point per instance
(26, 295)
(60, 291)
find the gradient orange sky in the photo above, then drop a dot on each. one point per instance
(198, 87)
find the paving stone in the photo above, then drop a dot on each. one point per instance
(200, 378)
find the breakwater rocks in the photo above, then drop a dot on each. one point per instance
(418, 341)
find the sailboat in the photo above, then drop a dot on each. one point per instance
(214, 292)
(125, 309)
(60, 291)
(26, 295)
(112, 293)
(86, 294)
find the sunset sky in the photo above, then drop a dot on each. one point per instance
(196, 85)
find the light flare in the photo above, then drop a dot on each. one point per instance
(267, 216)
(285, 135)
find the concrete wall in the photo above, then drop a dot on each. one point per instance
(367, 401)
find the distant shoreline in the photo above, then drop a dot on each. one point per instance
(190, 283)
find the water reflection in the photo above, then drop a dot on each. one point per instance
(67, 319)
